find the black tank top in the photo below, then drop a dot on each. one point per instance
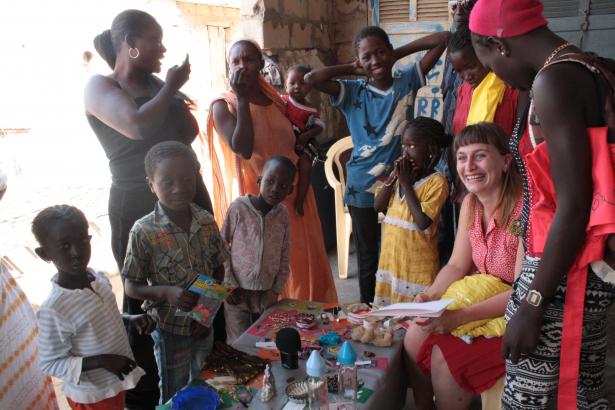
(126, 156)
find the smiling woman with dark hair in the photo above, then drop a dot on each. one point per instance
(130, 110)
(448, 357)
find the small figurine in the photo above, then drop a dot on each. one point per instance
(268, 390)
(370, 333)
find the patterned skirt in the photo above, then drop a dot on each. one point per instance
(532, 382)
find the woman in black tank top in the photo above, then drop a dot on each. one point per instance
(130, 110)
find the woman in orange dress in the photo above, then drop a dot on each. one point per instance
(246, 127)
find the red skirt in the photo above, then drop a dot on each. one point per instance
(476, 366)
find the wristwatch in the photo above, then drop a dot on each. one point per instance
(534, 298)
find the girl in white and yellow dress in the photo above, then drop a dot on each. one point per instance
(412, 198)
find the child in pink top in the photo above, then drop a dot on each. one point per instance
(257, 229)
(307, 125)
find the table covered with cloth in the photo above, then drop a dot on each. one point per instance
(384, 380)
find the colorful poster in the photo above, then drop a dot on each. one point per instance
(212, 294)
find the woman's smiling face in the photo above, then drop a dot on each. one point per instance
(481, 167)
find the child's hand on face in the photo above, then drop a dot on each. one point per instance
(406, 172)
(117, 364)
(358, 69)
(198, 330)
(143, 323)
(180, 297)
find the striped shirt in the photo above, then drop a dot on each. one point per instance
(160, 253)
(22, 384)
(79, 323)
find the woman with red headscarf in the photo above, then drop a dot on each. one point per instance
(555, 341)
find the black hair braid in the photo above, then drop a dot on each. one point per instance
(432, 130)
(125, 27)
(104, 47)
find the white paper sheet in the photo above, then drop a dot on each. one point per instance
(422, 309)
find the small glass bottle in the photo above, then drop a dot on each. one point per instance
(317, 382)
(347, 377)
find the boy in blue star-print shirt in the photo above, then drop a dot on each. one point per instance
(376, 111)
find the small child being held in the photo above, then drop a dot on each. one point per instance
(307, 126)
(258, 231)
(82, 338)
(167, 249)
(412, 198)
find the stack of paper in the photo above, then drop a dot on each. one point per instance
(421, 309)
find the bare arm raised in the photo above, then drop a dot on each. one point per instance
(435, 43)
(238, 132)
(112, 105)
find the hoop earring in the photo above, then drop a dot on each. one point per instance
(130, 53)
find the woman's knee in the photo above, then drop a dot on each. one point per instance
(413, 341)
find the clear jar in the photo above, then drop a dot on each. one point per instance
(318, 395)
(347, 377)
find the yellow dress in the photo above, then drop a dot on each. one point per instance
(409, 256)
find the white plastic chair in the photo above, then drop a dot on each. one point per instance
(343, 223)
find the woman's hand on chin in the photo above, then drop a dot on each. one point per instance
(239, 83)
(450, 320)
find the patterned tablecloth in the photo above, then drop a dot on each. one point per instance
(384, 379)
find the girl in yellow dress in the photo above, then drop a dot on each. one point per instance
(412, 198)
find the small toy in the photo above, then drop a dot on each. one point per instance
(268, 390)
(370, 333)
(324, 318)
(330, 339)
(305, 321)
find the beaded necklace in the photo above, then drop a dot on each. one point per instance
(514, 142)
(524, 218)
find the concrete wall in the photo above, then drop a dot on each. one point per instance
(312, 32)
(350, 17)
(209, 31)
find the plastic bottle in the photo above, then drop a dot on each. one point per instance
(317, 382)
(347, 377)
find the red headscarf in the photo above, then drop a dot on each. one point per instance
(506, 18)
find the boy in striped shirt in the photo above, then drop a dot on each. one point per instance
(82, 338)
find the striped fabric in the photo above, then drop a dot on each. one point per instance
(22, 384)
(80, 323)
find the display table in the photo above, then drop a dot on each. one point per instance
(385, 378)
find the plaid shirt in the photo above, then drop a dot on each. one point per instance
(160, 253)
